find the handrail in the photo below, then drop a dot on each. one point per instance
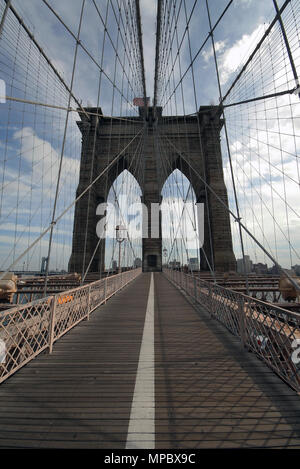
(29, 329)
(269, 331)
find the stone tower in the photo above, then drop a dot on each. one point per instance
(192, 145)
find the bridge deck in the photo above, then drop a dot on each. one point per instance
(209, 393)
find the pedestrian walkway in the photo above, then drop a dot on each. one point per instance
(148, 351)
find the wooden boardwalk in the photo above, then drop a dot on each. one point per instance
(209, 393)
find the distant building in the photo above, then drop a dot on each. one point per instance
(44, 264)
(274, 270)
(242, 264)
(193, 263)
(174, 264)
(114, 266)
(137, 262)
(260, 268)
(296, 269)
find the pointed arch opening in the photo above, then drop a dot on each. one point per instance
(123, 242)
(181, 226)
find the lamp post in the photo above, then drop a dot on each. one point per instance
(120, 236)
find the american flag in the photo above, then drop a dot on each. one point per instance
(140, 102)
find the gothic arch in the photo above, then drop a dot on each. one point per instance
(123, 163)
(185, 192)
(133, 192)
(181, 150)
(175, 161)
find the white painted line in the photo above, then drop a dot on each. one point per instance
(141, 428)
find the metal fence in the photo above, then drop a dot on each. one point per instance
(27, 330)
(272, 333)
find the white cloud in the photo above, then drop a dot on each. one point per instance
(219, 47)
(148, 17)
(42, 158)
(233, 57)
(29, 192)
(268, 200)
(239, 3)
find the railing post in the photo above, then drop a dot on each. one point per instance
(52, 322)
(88, 303)
(210, 298)
(195, 289)
(242, 320)
(105, 289)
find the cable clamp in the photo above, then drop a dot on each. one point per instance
(297, 90)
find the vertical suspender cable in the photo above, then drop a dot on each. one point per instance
(287, 45)
(84, 272)
(7, 6)
(62, 150)
(228, 150)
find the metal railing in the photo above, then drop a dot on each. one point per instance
(271, 332)
(27, 330)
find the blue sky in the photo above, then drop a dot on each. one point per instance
(31, 141)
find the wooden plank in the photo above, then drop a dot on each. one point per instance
(98, 357)
(208, 379)
(209, 393)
